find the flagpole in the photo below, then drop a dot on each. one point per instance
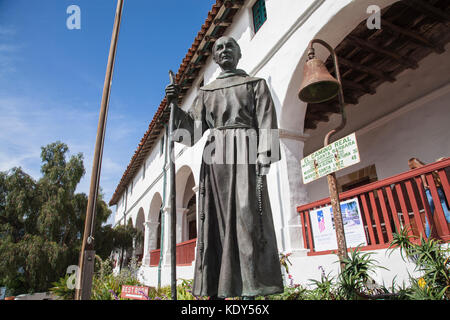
(87, 254)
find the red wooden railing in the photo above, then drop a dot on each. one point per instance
(391, 204)
(154, 257)
(185, 254)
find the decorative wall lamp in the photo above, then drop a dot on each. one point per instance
(319, 86)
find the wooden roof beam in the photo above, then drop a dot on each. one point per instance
(428, 9)
(349, 98)
(358, 86)
(414, 36)
(222, 23)
(323, 108)
(210, 38)
(204, 52)
(365, 69)
(317, 117)
(310, 125)
(406, 61)
(234, 4)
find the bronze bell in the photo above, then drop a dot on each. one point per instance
(318, 84)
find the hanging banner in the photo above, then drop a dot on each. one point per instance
(323, 230)
(336, 156)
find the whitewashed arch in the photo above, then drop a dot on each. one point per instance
(140, 219)
(152, 233)
(184, 184)
(155, 207)
(139, 225)
(333, 32)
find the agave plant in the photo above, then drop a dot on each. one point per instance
(354, 281)
(324, 288)
(402, 241)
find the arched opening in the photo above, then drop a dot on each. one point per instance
(153, 234)
(186, 216)
(191, 218)
(139, 244)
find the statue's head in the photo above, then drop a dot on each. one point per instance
(226, 53)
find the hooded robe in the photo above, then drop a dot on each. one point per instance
(237, 252)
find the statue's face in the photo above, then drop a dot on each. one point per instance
(226, 53)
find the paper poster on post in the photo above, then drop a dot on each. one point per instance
(323, 230)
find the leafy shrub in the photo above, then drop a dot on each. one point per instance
(61, 289)
(354, 282)
(107, 286)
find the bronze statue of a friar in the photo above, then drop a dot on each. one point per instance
(237, 253)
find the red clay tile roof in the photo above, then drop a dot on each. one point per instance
(219, 17)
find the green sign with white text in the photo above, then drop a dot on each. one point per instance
(334, 157)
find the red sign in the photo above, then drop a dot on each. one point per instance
(134, 292)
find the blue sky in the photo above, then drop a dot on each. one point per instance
(51, 78)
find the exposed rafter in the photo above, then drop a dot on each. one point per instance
(428, 9)
(372, 47)
(414, 36)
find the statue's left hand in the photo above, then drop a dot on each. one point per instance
(262, 170)
(262, 165)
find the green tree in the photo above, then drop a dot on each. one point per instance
(124, 237)
(41, 222)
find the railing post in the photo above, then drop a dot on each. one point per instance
(387, 223)
(437, 205)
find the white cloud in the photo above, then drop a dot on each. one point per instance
(8, 51)
(7, 31)
(27, 125)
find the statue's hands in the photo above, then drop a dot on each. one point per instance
(262, 170)
(172, 92)
(262, 165)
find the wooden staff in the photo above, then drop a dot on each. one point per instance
(87, 255)
(173, 219)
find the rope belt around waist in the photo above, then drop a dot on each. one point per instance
(233, 126)
(222, 128)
